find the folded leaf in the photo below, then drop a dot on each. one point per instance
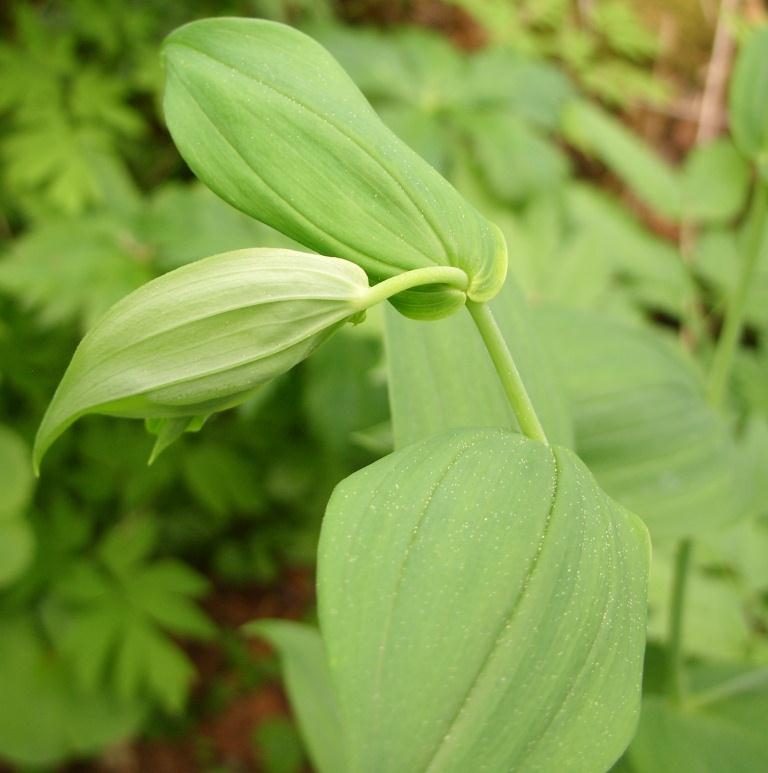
(203, 337)
(482, 602)
(270, 121)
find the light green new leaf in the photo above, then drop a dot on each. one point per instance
(642, 423)
(482, 602)
(270, 121)
(308, 682)
(203, 337)
(441, 376)
(748, 100)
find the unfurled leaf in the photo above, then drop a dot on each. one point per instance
(308, 682)
(514, 159)
(595, 132)
(111, 618)
(45, 716)
(642, 423)
(203, 337)
(748, 108)
(270, 121)
(482, 602)
(715, 182)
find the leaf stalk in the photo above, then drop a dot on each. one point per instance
(509, 375)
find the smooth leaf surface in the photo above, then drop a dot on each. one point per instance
(270, 121)
(203, 337)
(441, 376)
(642, 423)
(482, 602)
(308, 682)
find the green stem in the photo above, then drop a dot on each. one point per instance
(507, 370)
(447, 275)
(755, 246)
(675, 657)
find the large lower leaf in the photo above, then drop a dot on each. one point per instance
(441, 376)
(482, 602)
(642, 423)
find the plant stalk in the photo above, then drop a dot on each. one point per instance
(676, 686)
(418, 277)
(509, 375)
(755, 248)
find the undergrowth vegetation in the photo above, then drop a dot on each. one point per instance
(634, 314)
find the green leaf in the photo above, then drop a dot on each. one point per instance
(642, 423)
(597, 133)
(203, 337)
(269, 120)
(17, 548)
(748, 99)
(168, 431)
(441, 376)
(715, 182)
(344, 391)
(515, 160)
(74, 269)
(44, 716)
(482, 602)
(16, 480)
(308, 682)
(725, 736)
(279, 747)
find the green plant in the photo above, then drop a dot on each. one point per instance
(606, 44)
(436, 517)
(475, 564)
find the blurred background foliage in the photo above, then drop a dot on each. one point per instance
(579, 127)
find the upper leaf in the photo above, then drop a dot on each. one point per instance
(482, 602)
(269, 120)
(201, 338)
